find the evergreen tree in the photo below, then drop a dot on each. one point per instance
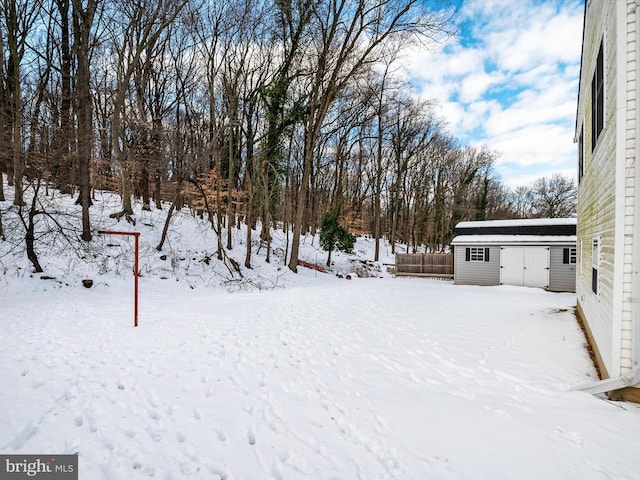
(334, 236)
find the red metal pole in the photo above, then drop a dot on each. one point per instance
(135, 285)
(135, 271)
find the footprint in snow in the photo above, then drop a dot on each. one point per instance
(93, 424)
(573, 437)
(29, 431)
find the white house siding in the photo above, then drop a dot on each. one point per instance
(629, 184)
(596, 190)
(562, 276)
(605, 195)
(476, 273)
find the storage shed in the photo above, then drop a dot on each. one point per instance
(531, 253)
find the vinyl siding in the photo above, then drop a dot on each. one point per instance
(602, 213)
(629, 187)
(562, 276)
(476, 273)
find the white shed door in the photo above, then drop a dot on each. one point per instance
(524, 266)
(536, 267)
(512, 266)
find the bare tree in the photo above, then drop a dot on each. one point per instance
(521, 199)
(29, 225)
(446, 154)
(83, 16)
(17, 19)
(251, 121)
(62, 138)
(5, 114)
(288, 43)
(379, 93)
(215, 50)
(413, 128)
(137, 26)
(554, 197)
(280, 112)
(352, 35)
(241, 79)
(470, 185)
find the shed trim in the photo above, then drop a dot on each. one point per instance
(514, 240)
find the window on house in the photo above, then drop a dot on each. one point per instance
(597, 99)
(595, 265)
(477, 254)
(581, 154)
(569, 255)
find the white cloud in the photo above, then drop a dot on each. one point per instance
(535, 145)
(476, 84)
(533, 109)
(510, 82)
(542, 40)
(534, 151)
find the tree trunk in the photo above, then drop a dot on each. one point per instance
(176, 199)
(144, 27)
(4, 123)
(157, 195)
(16, 119)
(2, 237)
(29, 237)
(157, 162)
(144, 184)
(249, 219)
(219, 203)
(121, 157)
(230, 184)
(82, 22)
(302, 195)
(66, 172)
(377, 206)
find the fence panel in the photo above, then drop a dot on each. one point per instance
(436, 265)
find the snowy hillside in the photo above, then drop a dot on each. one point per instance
(285, 376)
(188, 254)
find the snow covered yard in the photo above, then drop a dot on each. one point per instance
(330, 379)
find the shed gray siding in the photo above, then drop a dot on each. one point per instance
(562, 276)
(476, 273)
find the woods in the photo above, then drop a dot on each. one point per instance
(245, 110)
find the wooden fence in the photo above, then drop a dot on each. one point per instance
(434, 265)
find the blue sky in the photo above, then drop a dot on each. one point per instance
(509, 80)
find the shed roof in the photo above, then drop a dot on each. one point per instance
(532, 226)
(514, 240)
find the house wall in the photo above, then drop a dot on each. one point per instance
(562, 276)
(627, 180)
(476, 273)
(605, 195)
